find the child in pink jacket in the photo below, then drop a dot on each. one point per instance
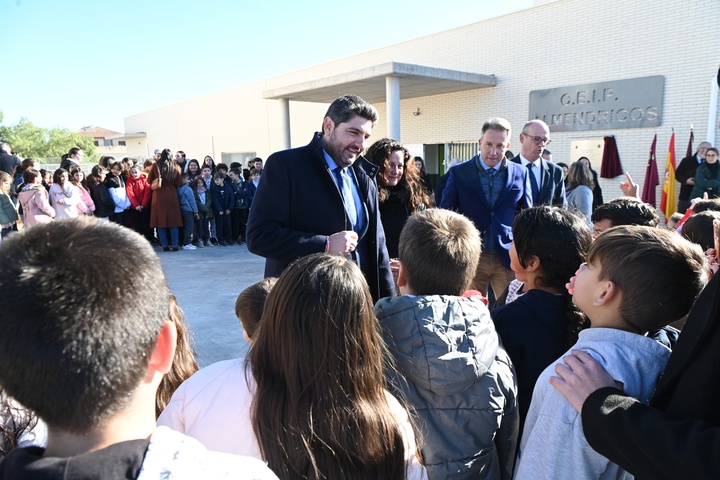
(34, 200)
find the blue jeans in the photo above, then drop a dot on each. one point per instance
(162, 236)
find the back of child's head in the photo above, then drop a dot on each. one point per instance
(249, 304)
(659, 273)
(5, 181)
(699, 229)
(673, 220)
(30, 175)
(627, 211)
(439, 250)
(705, 205)
(558, 238)
(234, 165)
(185, 177)
(75, 345)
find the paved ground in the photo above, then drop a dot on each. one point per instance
(206, 282)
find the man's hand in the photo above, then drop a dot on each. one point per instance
(395, 268)
(690, 181)
(343, 242)
(628, 187)
(580, 376)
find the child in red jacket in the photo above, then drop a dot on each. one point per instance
(139, 194)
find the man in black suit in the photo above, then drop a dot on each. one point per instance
(685, 174)
(8, 161)
(323, 198)
(545, 179)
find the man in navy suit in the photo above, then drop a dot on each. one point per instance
(323, 198)
(489, 190)
(545, 178)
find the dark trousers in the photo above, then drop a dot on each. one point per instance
(223, 228)
(238, 219)
(141, 222)
(188, 226)
(123, 218)
(202, 229)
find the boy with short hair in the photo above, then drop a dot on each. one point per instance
(88, 358)
(239, 214)
(249, 306)
(222, 203)
(460, 380)
(636, 279)
(623, 211)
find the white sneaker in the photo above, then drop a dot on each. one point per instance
(189, 246)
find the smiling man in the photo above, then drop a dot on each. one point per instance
(489, 190)
(323, 198)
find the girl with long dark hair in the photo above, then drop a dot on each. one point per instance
(312, 399)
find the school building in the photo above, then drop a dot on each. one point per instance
(590, 69)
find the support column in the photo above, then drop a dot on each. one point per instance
(392, 102)
(712, 111)
(285, 121)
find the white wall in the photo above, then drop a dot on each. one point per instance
(566, 42)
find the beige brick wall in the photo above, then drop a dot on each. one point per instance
(567, 42)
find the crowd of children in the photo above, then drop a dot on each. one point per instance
(426, 384)
(214, 200)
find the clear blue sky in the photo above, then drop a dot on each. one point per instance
(80, 62)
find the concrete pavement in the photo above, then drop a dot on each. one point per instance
(206, 282)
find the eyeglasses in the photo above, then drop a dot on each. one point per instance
(538, 140)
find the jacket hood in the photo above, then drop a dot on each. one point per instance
(442, 343)
(30, 191)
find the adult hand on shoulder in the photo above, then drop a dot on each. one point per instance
(580, 376)
(342, 242)
(628, 187)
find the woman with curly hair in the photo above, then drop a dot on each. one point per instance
(400, 190)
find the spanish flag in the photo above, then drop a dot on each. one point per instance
(668, 203)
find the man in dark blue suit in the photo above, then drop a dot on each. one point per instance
(489, 190)
(545, 178)
(323, 198)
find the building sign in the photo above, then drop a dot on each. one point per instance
(631, 103)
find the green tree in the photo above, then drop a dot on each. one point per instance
(28, 140)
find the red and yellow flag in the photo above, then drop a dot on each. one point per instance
(668, 203)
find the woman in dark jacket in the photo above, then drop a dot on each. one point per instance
(400, 191)
(104, 204)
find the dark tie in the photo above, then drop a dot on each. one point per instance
(533, 181)
(344, 181)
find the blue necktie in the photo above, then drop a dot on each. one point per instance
(533, 182)
(344, 184)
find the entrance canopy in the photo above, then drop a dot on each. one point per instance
(388, 82)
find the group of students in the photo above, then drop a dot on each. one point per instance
(208, 204)
(429, 383)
